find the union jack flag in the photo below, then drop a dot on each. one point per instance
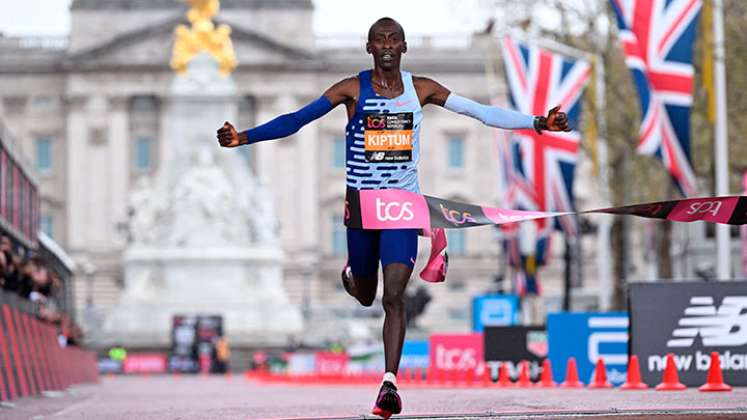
(538, 170)
(657, 39)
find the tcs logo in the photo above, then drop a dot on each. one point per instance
(456, 352)
(376, 122)
(705, 207)
(393, 211)
(457, 217)
(456, 358)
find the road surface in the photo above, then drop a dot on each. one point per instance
(236, 397)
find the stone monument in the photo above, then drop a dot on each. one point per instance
(203, 230)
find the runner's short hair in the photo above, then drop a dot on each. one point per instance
(384, 20)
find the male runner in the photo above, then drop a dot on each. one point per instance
(384, 107)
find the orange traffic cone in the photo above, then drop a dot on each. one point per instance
(571, 375)
(504, 379)
(523, 381)
(633, 380)
(715, 381)
(470, 378)
(670, 380)
(600, 376)
(443, 376)
(454, 377)
(408, 375)
(487, 377)
(546, 378)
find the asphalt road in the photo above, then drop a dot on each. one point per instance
(235, 397)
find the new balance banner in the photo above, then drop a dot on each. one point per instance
(587, 337)
(399, 209)
(514, 344)
(690, 320)
(494, 311)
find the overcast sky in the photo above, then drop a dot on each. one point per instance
(51, 17)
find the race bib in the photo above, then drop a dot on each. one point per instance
(388, 137)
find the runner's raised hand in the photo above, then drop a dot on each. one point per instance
(556, 120)
(229, 137)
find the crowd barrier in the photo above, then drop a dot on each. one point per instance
(31, 358)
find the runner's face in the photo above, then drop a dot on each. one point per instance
(387, 46)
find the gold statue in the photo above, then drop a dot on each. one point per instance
(203, 36)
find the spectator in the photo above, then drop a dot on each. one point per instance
(10, 275)
(29, 277)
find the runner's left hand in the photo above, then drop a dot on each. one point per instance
(556, 120)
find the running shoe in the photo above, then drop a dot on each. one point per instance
(388, 402)
(347, 279)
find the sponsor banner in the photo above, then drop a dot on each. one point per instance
(301, 363)
(365, 357)
(399, 209)
(690, 320)
(330, 364)
(588, 337)
(193, 339)
(144, 363)
(494, 311)
(455, 352)
(107, 365)
(511, 345)
(209, 330)
(415, 355)
(183, 344)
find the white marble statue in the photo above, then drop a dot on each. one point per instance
(203, 232)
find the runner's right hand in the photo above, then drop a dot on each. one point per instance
(228, 136)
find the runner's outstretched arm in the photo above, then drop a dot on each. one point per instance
(288, 124)
(431, 92)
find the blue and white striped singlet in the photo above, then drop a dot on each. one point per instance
(389, 158)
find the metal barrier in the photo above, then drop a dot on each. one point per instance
(31, 359)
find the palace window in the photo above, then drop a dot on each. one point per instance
(143, 153)
(338, 237)
(456, 152)
(338, 152)
(44, 154)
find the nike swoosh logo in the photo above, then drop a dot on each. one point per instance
(399, 104)
(412, 260)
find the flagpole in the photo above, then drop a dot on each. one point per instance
(604, 260)
(723, 248)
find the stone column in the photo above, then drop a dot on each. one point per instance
(265, 152)
(97, 177)
(120, 159)
(307, 150)
(166, 105)
(77, 204)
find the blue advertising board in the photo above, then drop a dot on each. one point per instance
(588, 336)
(415, 354)
(494, 311)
